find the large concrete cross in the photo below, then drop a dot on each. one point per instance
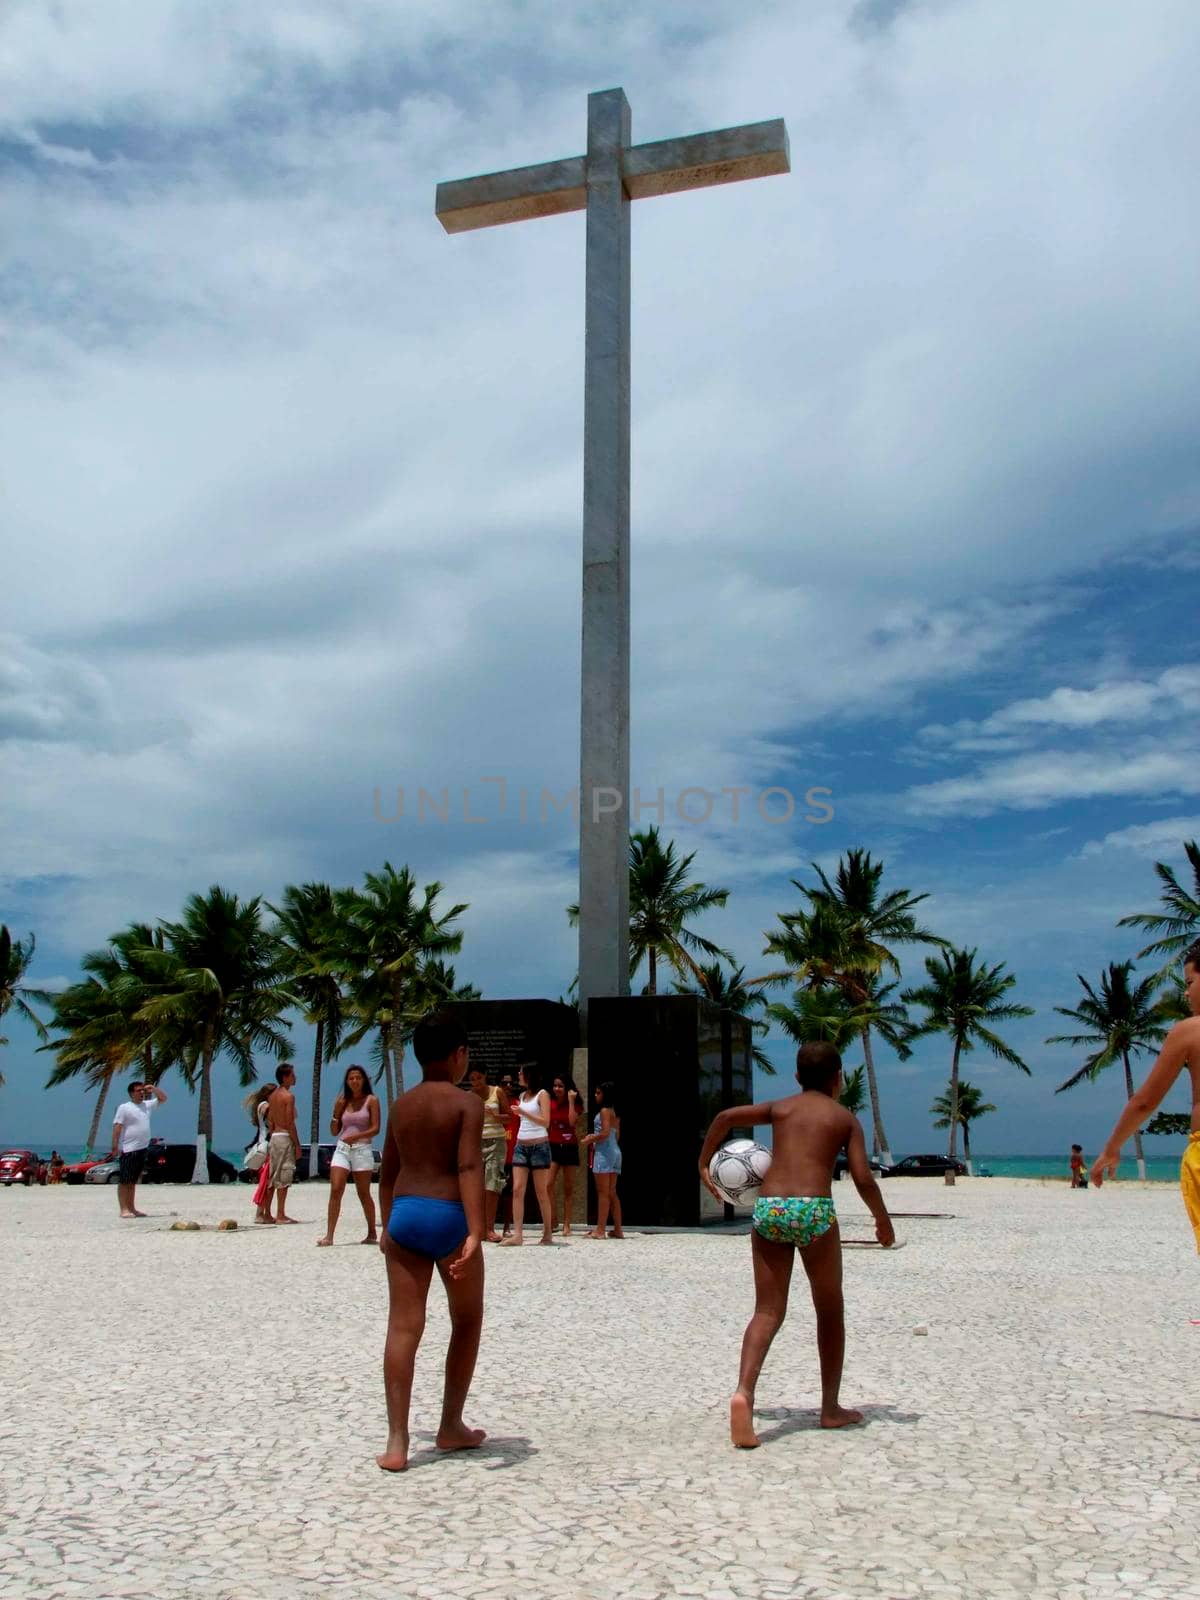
(612, 173)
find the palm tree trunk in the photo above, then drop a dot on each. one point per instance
(967, 1144)
(94, 1130)
(652, 986)
(879, 1139)
(204, 1116)
(385, 1055)
(397, 1042)
(952, 1152)
(1137, 1138)
(314, 1135)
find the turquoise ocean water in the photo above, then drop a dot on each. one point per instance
(1160, 1169)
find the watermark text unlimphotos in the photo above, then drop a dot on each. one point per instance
(499, 801)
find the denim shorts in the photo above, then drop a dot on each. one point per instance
(532, 1153)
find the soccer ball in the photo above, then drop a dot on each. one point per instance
(738, 1169)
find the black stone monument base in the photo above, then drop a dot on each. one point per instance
(676, 1060)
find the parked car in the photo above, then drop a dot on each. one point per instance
(21, 1166)
(76, 1171)
(324, 1157)
(175, 1163)
(842, 1166)
(102, 1172)
(924, 1167)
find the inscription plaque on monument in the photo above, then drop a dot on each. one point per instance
(504, 1033)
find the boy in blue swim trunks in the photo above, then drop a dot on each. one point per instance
(795, 1212)
(431, 1200)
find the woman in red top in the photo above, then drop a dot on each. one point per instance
(565, 1110)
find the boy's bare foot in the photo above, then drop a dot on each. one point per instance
(741, 1422)
(459, 1437)
(395, 1456)
(839, 1417)
(323, 1244)
(286, 1219)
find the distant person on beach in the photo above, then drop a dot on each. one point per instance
(1078, 1175)
(795, 1212)
(284, 1142)
(1181, 1048)
(131, 1140)
(256, 1104)
(512, 1122)
(606, 1162)
(566, 1108)
(56, 1167)
(495, 1136)
(531, 1153)
(431, 1197)
(355, 1122)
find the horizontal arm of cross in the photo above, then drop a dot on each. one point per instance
(755, 150)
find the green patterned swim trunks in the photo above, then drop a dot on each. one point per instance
(793, 1219)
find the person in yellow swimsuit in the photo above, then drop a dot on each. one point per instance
(1181, 1048)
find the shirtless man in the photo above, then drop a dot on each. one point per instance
(431, 1202)
(795, 1212)
(283, 1150)
(1181, 1048)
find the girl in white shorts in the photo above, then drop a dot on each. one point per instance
(355, 1122)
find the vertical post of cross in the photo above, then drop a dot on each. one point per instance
(604, 730)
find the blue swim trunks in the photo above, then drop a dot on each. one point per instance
(433, 1228)
(793, 1219)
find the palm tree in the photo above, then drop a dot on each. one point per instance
(218, 988)
(660, 901)
(308, 928)
(730, 992)
(844, 937)
(387, 936)
(15, 995)
(964, 999)
(1122, 1019)
(963, 1103)
(96, 1019)
(854, 1091)
(1179, 920)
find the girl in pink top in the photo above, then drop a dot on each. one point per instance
(355, 1122)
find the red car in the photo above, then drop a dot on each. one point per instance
(75, 1171)
(21, 1166)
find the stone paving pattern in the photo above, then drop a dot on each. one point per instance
(195, 1415)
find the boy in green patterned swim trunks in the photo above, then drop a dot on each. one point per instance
(795, 1212)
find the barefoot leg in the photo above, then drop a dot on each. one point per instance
(614, 1200)
(491, 1204)
(520, 1177)
(337, 1187)
(772, 1278)
(541, 1188)
(603, 1200)
(823, 1264)
(464, 1297)
(408, 1276)
(362, 1183)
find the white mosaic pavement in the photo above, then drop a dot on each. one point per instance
(194, 1415)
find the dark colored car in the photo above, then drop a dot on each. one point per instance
(21, 1166)
(924, 1167)
(175, 1163)
(324, 1157)
(842, 1166)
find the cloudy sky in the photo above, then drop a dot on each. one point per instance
(291, 479)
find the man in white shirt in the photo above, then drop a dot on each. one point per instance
(131, 1140)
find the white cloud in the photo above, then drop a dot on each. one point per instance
(1160, 838)
(1035, 781)
(1138, 700)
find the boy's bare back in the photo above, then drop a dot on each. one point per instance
(427, 1130)
(808, 1133)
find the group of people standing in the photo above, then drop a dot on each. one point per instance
(531, 1128)
(528, 1128)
